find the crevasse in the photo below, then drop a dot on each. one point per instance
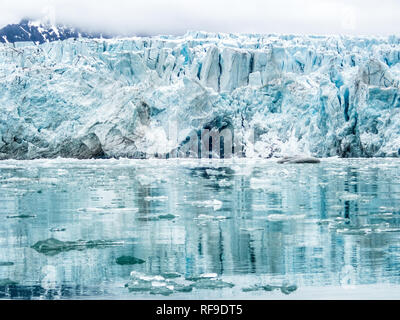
(145, 97)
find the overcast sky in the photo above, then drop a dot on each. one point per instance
(361, 17)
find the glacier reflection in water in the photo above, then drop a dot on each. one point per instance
(332, 229)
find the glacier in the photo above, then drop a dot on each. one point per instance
(146, 97)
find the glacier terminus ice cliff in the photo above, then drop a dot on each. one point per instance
(321, 96)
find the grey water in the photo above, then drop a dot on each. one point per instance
(328, 230)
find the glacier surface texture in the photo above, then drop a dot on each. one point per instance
(145, 97)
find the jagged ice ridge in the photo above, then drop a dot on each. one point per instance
(280, 95)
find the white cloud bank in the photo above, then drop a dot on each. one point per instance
(365, 17)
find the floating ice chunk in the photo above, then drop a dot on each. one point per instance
(251, 229)
(157, 285)
(212, 284)
(150, 278)
(383, 230)
(159, 198)
(208, 275)
(139, 286)
(162, 290)
(285, 289)
(58, 229)
(205, 217)
(182, 288)
(202, 276)
(213, 172)
(208, 281)
(225, 183)
(285, 217)
(348, 196)
(324, 222)
(215, 204)
(108, 210)
(358, 231)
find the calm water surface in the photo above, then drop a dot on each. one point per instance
(330, 230)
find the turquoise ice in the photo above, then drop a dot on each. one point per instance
(312, 95)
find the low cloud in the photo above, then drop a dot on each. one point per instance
(151, 17)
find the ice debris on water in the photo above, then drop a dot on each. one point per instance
(108, 210)
(202, 277)
(285, 217)
(224, 183)
(211, 283)
(348, 196)
(215, 204)
(344, 226)
(159, 198)
(208, 217)
(58, 229)
(157, 285)
(163, 285)
(285, 288)
(53, 246)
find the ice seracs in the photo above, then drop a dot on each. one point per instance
(153, 97)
